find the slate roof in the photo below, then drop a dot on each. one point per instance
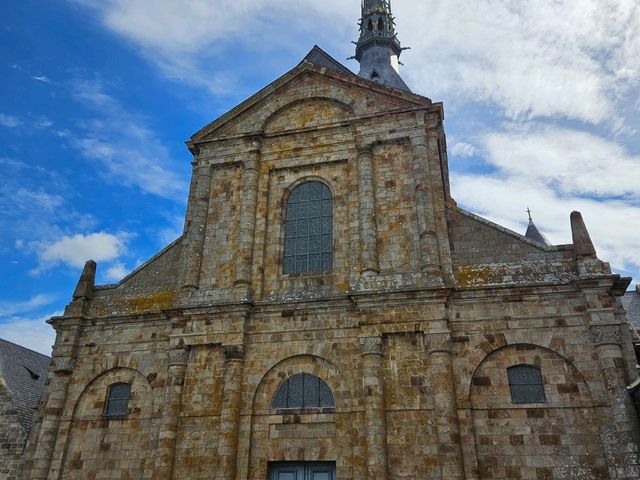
(534, 234)
(631, 303)
(25, 373)
(319, 57)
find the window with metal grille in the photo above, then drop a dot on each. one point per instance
(118, 400)
(303, 391)
(525, 382)
(308, 246)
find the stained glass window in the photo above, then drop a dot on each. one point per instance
(308, 246)
(303, 391)
(525, 382)
(118, 400)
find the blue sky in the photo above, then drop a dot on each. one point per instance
(98, 97)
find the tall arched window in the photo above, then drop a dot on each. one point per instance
(303, 391)
(525, 383)
(308, 246)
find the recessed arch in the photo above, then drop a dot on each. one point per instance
(303, 363)
(527, 350)
(307, 112)
(141, 390)
(559, 402)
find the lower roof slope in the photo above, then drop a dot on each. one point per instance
(25, 373)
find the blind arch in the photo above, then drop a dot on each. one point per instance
(308, 246)
(118, 396)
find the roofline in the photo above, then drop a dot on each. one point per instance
(290, 75)
(546, 248)
(141, 266)
(25, 348)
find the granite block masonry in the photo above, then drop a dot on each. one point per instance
(409, 339)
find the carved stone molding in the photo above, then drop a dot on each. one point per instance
(179, 355)
(233, 352)
(438, 342)
(63, 365)
(372, 345)
(605, 334)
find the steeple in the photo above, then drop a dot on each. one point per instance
(378, 49)
(533, 233)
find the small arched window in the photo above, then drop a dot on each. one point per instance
(303, 391)
(525, 383)
(370, 26)
(308, 246)
(118, 400)
(380, 24)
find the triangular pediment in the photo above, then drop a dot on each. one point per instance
(319, 91)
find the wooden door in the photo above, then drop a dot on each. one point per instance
(302, 471)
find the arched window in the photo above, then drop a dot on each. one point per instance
(525, 383)
(370, 26)
(303, 391)
(118, 400)
(308, 246)
(380, 24)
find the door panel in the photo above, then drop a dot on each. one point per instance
(302, 471)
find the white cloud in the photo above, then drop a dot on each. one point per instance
(192, 42)
(571, 58)
(128, 151)
(42, 122)
(12, 308)
(576, 162)
(42, 78)
(10, 121)
(41, 336)
(462, 149)
(76, 250)
(117, 272)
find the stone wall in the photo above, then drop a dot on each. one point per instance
(12, 437)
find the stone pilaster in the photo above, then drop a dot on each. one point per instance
(625, 428)
(178, 360)
(196, 228)
(230, 415)
(445, 405)
(48, 451)
(439, 205)
(248, 216)
(429, 258)
(368, 228)
(373, 376)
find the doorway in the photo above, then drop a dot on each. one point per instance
(302, 471)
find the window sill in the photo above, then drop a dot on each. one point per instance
(115, 417)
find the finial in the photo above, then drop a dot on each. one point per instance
(529, 213)
(87, 281)
(581, 239)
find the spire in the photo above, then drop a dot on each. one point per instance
(378, 48)
(533, 233)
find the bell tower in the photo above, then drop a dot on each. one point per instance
(378, 48)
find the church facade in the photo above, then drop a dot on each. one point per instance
(331, 313)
